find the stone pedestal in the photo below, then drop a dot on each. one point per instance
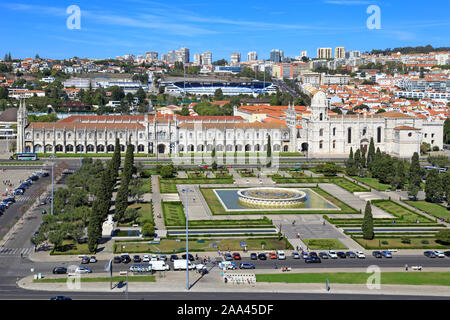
(108, 226)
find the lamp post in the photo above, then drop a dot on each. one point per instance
(53, 166)
(187, 239)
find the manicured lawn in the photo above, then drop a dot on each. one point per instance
(373, 183)
(401, 212)
(173, 213)
(172, 245)
(433, 209)
(323, 244)
(69, 248)
(401, 278)
(396, 243)
(341, 182)
(145, 210)
(349, 185)
(101, 279)
(147, 186)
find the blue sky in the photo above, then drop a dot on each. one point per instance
(112, 28)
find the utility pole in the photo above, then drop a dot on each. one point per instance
(53, 166)
(187, 241)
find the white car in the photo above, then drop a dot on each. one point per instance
(145, 258)
(332, 254)
(200, 266)
(360, 255)
(82, 270)
(154, 257)
(281, 255)
(439, 254)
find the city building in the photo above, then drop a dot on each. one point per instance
(198, 59)
(304, 53)
(235, 58)
(324, 53)
(207, 58)
(339, 53)
(276, 55)
(252, 56)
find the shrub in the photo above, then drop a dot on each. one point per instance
(384, 242)
(406, 240)
(425, 242)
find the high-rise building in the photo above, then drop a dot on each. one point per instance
(276, 55)
(324, 53)
(235, 58)
(171, 56)
(151, 55)
(352, 54)
(185, 55)
(304, 54)
(339, 53)
(252, 56)
(207, 58)
(197, 59)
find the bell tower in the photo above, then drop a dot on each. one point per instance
(22, 122)
(319, 107)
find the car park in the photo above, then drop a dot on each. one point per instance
(117, 259)
(439, 254)
(253, 256)
(59, 270)
(350, 254)
(173, 257)
(93, 259)
(313, 260)
(386, 254)
(341, 255)
(281, 255)
(236, 256)
(262, 256)
(323, 255)
(246, 265)
(137, 258)
(295, 255)
(377, 254)
(332, 254)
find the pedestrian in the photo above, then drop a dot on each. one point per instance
(406, 268)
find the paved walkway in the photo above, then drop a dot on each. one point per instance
(157, 208)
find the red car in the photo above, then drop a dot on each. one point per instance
(273, 255)
(236, 256)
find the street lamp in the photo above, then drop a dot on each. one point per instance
(187, 238)
(53, 166)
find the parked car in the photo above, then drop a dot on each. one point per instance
(273, 255)
(439, 254)
(173, 257)
(360, 254)
(332, 254)
(236, 256)
(137, 258)
(386, 254)
(377, 254)
(93, 259)
(350, 254)
(246, 265)
(253, 256)
(227, 257)
(429, 254)
(313, 254)
(190, 257)
(228, 265)
(10, 200)
(281, 255)
(59, 270)
(18, 192)
(447, 253)
(295, 255)
(163, 257)
(323, 255)
(305, 254)
(125, 258)
(313, 260)
(262, 256)
(341, 255)
(155, 257)
(84, 260)
(117, 259)
(145, 258)
(43, 202)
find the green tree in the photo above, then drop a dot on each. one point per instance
(367, 225)
(434, 191)
(371, 154)
(218, 94)
(269, 152)
(56, 238)
(121, 203)
(131, 215)
(148, 229)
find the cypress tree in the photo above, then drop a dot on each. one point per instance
(434, 190)
(269, 152)
(358, 158)
(363, 159)
(367, 225)
(121, 201)
(371, 154)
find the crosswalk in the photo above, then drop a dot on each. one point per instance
(23, 198)
(15, 251)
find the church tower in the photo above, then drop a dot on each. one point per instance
(291, 121)
(319, 107)
(22, 122)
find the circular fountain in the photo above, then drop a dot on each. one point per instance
(271, 197)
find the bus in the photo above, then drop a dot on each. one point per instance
(27, 156)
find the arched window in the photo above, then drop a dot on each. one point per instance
(334, 131)
(321, 117)
(379, 135)
(321, 132)
(349, 135)
(334, 144)
(321, 144)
